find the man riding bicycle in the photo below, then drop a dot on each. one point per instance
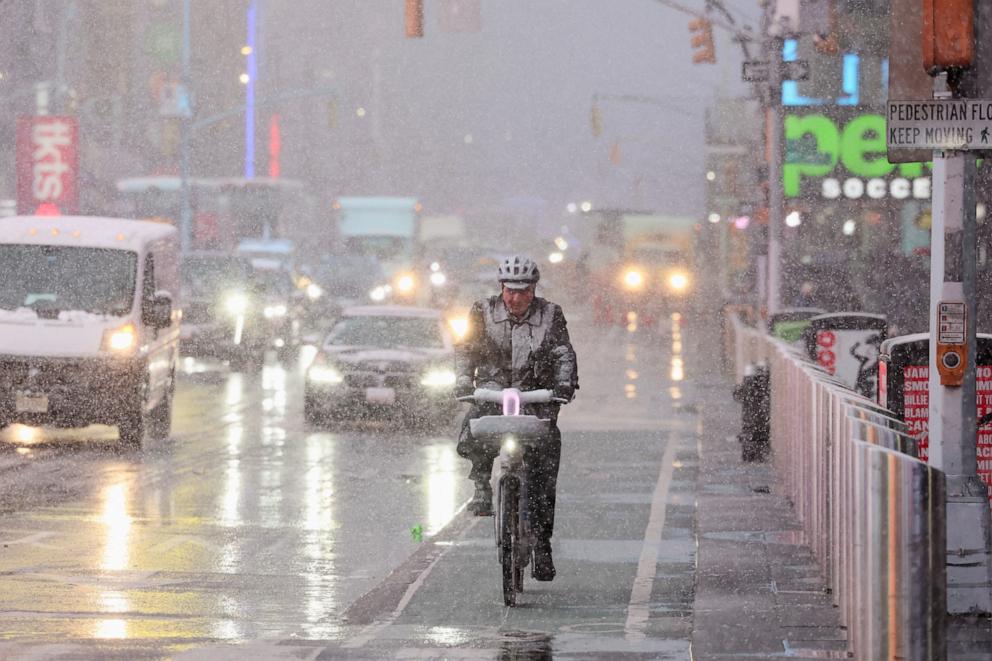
(517, 340)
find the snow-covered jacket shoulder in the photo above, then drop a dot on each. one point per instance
(530, 353)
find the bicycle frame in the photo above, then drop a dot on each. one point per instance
(514, 433)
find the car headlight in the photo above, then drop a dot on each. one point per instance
(324, 374)
(273, 311)
(314, 291)
(378, 294)
(459, 327)
(633, 279)
(236, 303)
(438, 378)
(120, 340)
(678, 281)
(438, 279)
(510, 444)
(405, 284)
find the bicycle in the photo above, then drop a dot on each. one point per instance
(515, 433)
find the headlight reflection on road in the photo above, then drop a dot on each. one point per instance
(441, 486)
(118, 527)
(116, 556)
(631, 322)
(318, 538)
(630, 356)
(678, 367)
(229, 506)
(234, 390)
(677, 373)
(115, 628)
(271, 477)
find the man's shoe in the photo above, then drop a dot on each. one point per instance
(482, 502)
(544, 566)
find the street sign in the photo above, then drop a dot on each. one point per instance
(964, 124)
(795, 70)
(47, 163)
(951, 323)
(756, 71)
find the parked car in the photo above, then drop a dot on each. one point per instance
(391, 359)
(89, 323)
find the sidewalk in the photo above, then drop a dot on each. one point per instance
(759, 594)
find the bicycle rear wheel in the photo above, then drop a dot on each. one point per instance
(508, 516)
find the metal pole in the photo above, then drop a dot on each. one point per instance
(186, 210)
(775, 192)
(67, 15)
(252, 66)
(952, 425)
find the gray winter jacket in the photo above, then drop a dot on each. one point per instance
(529, 354)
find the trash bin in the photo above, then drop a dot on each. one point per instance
(754, 394)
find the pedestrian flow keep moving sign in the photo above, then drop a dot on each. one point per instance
(962, 124)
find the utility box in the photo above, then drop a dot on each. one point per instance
(904, 389)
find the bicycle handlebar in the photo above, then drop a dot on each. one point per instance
(526, 397)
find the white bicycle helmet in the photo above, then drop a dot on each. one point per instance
(518, 272)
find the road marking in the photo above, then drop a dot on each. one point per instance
(439, 550)
(640, 594)
(31, 540)
(178, 540)
(128, 580)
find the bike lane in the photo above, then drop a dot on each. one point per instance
(624, 543)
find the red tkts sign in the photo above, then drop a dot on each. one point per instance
(47, 163)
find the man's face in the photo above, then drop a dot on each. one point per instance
(518, 300)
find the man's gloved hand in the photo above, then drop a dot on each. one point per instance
(463, 391)
(564, 392)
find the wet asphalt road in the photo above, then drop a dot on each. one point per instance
(249, 534)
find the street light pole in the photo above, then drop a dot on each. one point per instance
(775, 192)
(186, 207)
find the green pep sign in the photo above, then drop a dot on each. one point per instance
(848, 159)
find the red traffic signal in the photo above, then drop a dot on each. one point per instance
(414, 18)
(948, 34)
(702, 41)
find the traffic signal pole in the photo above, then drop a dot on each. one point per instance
(948, 38)
(953, 430)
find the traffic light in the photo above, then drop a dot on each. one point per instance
(702, 41)
(415, 18)
(948, 34)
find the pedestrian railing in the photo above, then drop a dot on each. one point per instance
(872, 513)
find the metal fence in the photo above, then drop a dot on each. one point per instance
(872, 513)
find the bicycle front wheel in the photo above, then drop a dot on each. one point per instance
(508, 516)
